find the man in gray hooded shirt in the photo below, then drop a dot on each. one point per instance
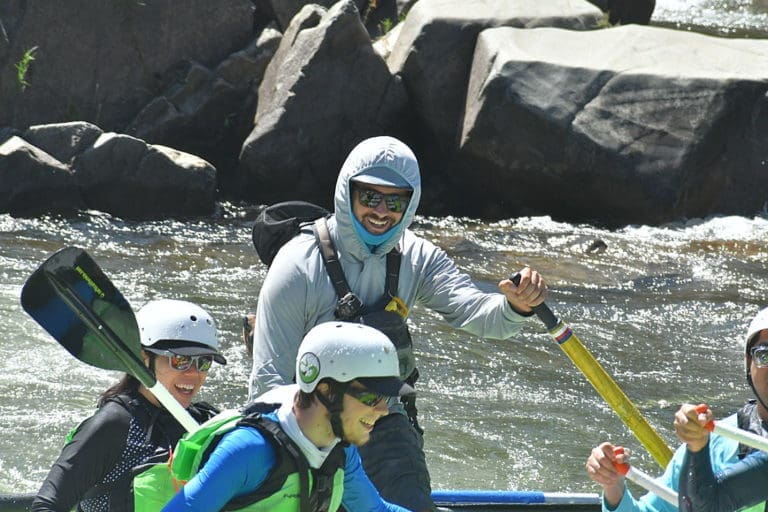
(377, 194)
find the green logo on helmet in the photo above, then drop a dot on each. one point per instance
(309, 367)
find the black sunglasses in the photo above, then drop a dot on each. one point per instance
(370, 198)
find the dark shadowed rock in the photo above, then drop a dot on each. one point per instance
(433, 52)
(126, 177)
(209, 112)
(324, 90)
(32, 182)
(373, 14)
(623, 125)
(285, 10)
(102, 61)
(63, 141)
(627, 11)
(630, 11)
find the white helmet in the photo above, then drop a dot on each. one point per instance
(345, 351)
(759, 323)
(180, 326)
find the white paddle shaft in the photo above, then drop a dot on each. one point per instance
(174, 407)
(649, 484)
(748, 438)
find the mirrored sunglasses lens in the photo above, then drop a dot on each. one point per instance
(370, 198)
(369, 398)
(396, 203)
(180, 363)
(204, 363)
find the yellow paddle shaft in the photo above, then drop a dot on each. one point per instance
(611, 393)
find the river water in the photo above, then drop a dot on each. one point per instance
(664, 309)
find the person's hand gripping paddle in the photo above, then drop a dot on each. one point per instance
(72, 299)
(733, 432)
(602, 382)
(644, 480)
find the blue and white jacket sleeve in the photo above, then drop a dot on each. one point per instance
(237, 466)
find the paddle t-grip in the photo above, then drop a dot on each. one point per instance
(621, 467)
(542, 310)
(701, 409)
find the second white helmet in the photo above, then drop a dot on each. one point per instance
(185, 327)
(345, 351)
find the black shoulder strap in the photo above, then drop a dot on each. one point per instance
(146, 418)
(748, 418)
(349, 304)
(331, 258)
(393, 272)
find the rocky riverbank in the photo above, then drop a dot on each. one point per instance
(152, 109)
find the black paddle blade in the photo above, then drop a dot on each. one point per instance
(72, 299)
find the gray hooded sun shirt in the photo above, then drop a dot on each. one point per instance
(298, 294)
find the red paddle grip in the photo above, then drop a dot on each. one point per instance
(701, 409)
(622, 468)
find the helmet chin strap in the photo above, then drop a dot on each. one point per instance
(335, 408)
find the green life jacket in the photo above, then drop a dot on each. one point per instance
(291, 486)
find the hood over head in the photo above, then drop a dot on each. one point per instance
(383, 161)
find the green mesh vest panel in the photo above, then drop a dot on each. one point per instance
(155, 485)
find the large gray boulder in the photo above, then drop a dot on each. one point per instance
(63, 141)
(625, 125)
(32, 182)
(324, 91)
(433, 52)
(128, 178)
(103, 61)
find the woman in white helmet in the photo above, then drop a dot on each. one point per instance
(743, 484)
(302, 455)
(130, 427)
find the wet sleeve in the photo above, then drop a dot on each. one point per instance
(287, 309)
(83, 462)
(282, 316)
(238, 465)
(740, 485)
(359, 493)
(452, 293)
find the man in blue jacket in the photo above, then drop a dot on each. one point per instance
(723, 452)
(377, 194)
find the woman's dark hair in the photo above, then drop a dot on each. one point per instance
(128, 384)
(334, 390)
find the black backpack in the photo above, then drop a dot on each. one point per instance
(278, 223)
